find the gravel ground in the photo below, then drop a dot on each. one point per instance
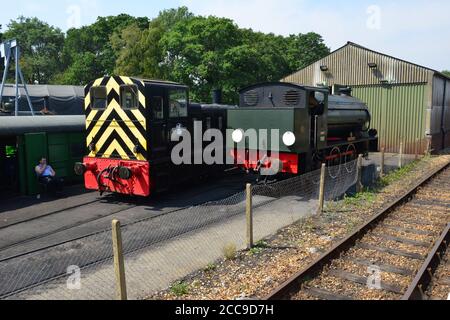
(440, 286)
(436, 218)
(255, 273)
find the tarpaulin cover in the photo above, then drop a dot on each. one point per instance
(59, 100)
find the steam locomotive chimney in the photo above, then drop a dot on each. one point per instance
(346, 91)
(217, 96)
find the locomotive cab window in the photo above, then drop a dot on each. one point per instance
(317, 103)
(178, 103)
(129, 97)
(99, 98)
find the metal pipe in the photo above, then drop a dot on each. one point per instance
(30, 105)
(5, 74)
(17, 81)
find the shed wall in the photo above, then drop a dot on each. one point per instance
(398, 113)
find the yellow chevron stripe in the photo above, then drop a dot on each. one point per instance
(129, 123)
(98, 125)
(114, 127)
(115, 146)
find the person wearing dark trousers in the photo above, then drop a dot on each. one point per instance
(47, 176)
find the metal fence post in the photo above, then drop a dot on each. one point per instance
(119, 266)
(400, 156)
(359, 186)
(322, 188)
(249, 215)
(383, 155)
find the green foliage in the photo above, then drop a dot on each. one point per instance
(205, 53)
(41, 47)
(398, 174)
(258, 248)
(209, 52)
(446, 72)
(180, 289)
(361, 199)
(88, 52)
(210, 267)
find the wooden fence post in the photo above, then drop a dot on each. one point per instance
(400, 156)
(416, 156)
(322, 188)
(119, 265)
(359, 185)
(249, 215)
(383, 155)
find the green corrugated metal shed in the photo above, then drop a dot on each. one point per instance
(409, 103)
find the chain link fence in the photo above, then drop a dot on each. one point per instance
(160, 250)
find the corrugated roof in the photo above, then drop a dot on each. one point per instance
(349, 65)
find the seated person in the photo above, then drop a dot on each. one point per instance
(47, 176)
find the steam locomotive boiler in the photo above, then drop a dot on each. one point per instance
(313, 127)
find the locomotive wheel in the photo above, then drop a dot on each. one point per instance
(334, 164)
(349, 158)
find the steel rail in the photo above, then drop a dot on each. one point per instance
(422, 281)
(293, 284)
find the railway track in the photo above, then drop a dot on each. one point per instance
(394, 256)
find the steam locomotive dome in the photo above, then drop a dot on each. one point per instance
(347, 114)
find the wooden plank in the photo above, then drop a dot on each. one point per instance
(383, 267)
(408, 230)
(429, 203)
(444, 281)
(395, 252)
(325, 295)
(363, 280)
(403, 240)
(417, 222)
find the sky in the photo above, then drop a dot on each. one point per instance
(414, 30)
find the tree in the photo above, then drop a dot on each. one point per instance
(304, 49)
(141, 53)
(446, 72)
(209, 52)
(92, 45)
(41, 46)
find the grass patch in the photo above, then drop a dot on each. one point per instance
(180, 288)
(399, 174)
(210, 267)
(230, 251)
(360, 199)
